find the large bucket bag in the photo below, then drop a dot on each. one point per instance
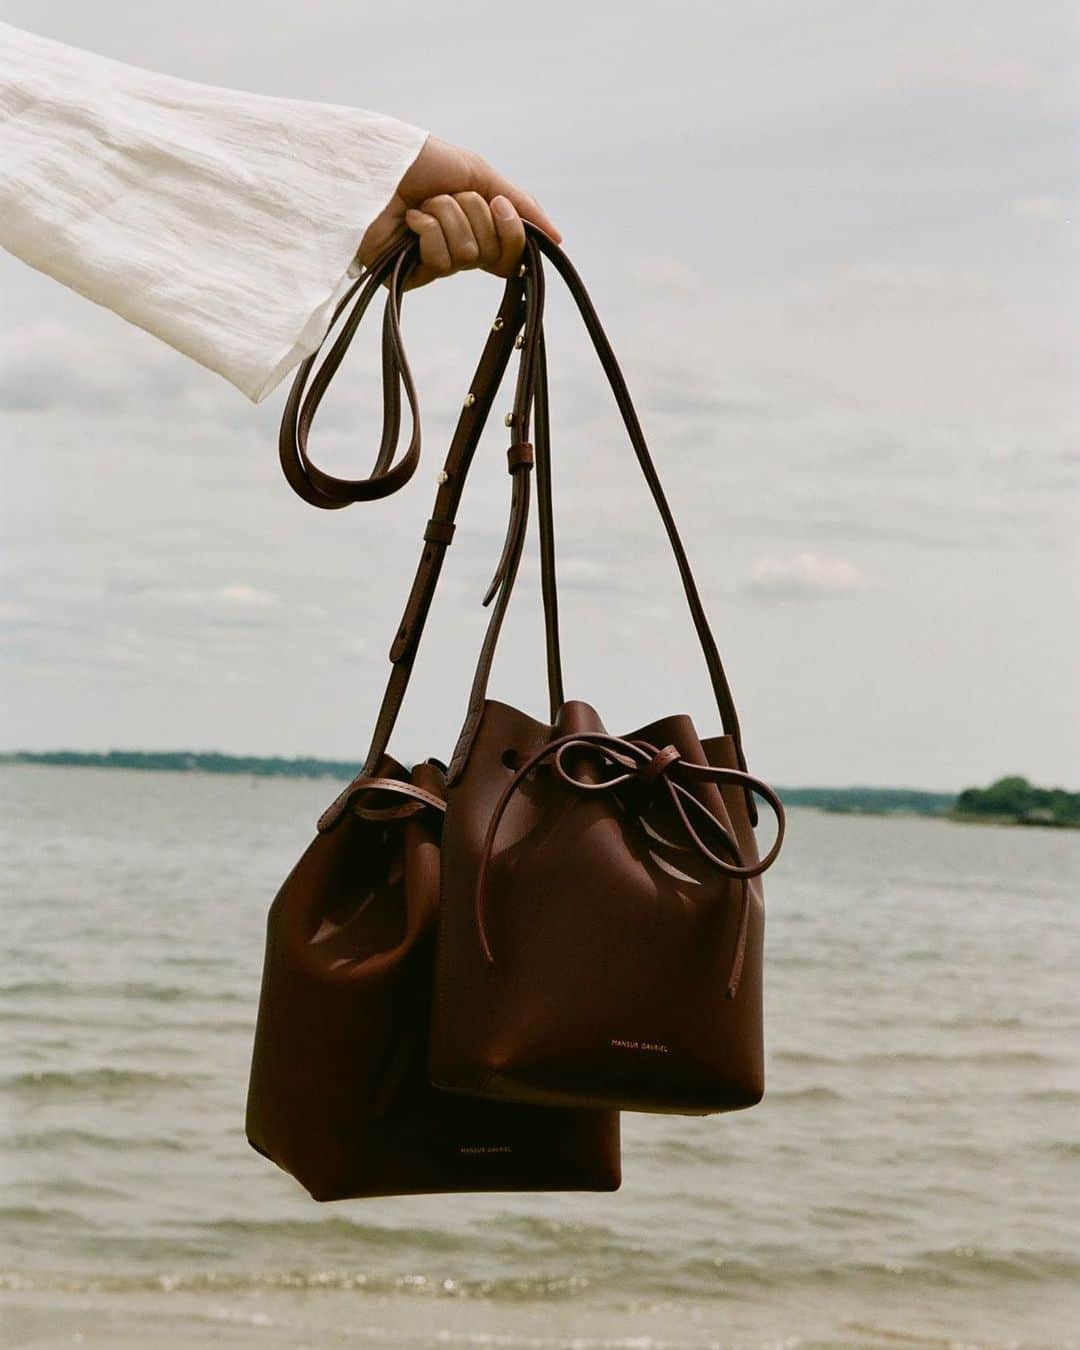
(339, 1094)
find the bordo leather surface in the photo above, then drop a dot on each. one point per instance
(597, 897)
(614, 942)
(339, 1094)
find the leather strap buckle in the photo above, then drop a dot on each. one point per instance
(520, 456)
(439, 531)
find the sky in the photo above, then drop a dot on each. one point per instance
(834, 247)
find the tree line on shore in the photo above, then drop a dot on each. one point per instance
(1012, 799)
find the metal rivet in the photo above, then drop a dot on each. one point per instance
(444, 477)
(519, 341)
(508, 420)
(497, 324)
(470, 399)
(521, 270)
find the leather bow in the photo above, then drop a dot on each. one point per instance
(641, 769)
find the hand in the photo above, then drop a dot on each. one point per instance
(465, 214)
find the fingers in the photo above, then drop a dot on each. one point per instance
(511, 232)
(460, 244)
(485, 231)
(461, 230)
(434, 250)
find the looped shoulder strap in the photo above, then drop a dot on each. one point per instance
(317, 487)
(522, 303)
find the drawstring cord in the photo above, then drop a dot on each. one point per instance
(642, 770)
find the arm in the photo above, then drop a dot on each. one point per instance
(225, 223)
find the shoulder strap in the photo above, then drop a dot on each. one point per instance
(523, 301)
(440, 528)
(539, 244)
(576, 287)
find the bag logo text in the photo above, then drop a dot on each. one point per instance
(655, 1047)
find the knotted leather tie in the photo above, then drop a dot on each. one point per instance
(643, 770)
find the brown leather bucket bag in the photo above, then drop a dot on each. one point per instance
(600, 932)
(339, 1094)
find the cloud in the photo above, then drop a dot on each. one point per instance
(903, 276)
(803, 575)
(113, 374)
(587, 574)
(45, 365)
(670, 274)
(246, 597)
(1042, 208)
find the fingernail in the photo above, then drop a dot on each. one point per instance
(502, 207)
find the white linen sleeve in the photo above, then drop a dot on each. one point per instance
(225, 223)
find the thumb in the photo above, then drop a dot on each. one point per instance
(387, 227)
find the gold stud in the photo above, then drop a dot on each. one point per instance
(521, 270)
(519, 341)
(470, 399)
(508, 420)
(497, 324)
(444, 477)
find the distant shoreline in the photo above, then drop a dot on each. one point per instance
(1011, 801)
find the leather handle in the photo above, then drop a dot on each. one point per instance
(389, 474)
(522, 303)
(313, 484)
(470, 426)
(329, 492)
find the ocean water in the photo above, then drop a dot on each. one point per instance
(911, 1178)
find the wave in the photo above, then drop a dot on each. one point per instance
(990, 1055)
(1060, 1148)
(965, 1265)
(1009, 1022)
(131, 989)
(31, 1215)
(516, 1289)
(869, 1058)
(805, 1057)
(30, 1017)
(542, 1228)
(51, 1084)
(338, 1226)
(818, 1092)
(1056, 1094)
(696, 1278)
(68, 1188)
(56, 1141)
(678, 1148)
(890, 1336)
